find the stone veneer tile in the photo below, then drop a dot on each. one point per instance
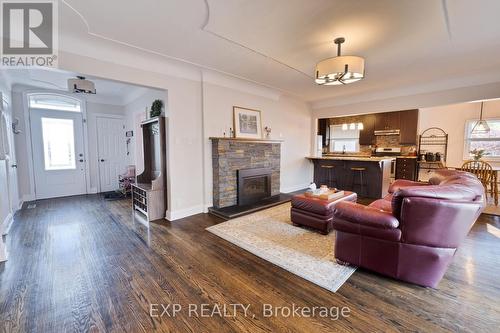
(230, 156)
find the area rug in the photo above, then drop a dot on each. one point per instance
(270, 235)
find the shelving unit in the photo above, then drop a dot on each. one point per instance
(434, 140)
(149, 192)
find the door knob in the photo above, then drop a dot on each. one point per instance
(81, 161)
(14, 166)
(102, 160)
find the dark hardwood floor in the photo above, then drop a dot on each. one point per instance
(82, 264)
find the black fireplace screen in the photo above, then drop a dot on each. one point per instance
(254, 185)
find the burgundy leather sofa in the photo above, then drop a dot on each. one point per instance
(413, 233)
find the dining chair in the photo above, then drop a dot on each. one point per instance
(483, 171)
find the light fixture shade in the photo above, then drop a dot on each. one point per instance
(361, 126)
(340, 70)
(352, 126)
(344, 127)
(481, 127)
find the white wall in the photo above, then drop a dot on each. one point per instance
(185, 157)
(23, 151)
(188, 164)
(5, 209)
(9, 202)
(452, 119)
(288, 118)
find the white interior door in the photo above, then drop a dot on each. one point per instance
(58, 153)
(112, 152)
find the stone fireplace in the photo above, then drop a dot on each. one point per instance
(244, 171)
(254, 185)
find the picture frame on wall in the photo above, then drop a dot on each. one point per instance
(247, 123)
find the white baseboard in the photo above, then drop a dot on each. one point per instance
(6, 223)
(295, 188)
(182, 213)
(21, 203)
(93, 190)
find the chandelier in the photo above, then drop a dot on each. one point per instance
(340, 69)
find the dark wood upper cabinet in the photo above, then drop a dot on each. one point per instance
(393, 120)
(404, 121)
(322, 128)
(387, 121)
(366, 136)
(408, 127)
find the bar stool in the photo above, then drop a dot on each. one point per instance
(359, 171)
(330, 172)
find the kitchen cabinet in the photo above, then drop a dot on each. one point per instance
(339, 173)
(406, 168)
(322, 128)
(408, 127)
(387, 121)
(404, 121)
(366, 136)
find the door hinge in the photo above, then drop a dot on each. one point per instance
(84, 121)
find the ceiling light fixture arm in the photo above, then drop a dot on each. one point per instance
(339, 41)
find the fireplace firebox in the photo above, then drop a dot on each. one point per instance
(254, 185)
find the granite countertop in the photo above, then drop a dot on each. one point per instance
(353, 158)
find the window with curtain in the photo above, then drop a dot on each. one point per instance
(340, 138)
(490, 142)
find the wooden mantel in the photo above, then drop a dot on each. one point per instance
(246, 140)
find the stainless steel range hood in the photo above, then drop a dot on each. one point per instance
(387, 132)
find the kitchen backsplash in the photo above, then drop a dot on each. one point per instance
(386, 141)
(381, 141)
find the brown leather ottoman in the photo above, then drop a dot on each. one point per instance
(316, 213)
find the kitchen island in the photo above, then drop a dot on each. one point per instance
(337, 171)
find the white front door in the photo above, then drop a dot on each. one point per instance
(112, 152)
(58, 153)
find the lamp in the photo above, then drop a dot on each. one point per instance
(361, 126)
(481, 127)
(340, 69)
(352, 126)
(344, 127)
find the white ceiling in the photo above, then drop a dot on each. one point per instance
(109, 92)
(409, 46)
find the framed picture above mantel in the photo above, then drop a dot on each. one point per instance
(247, 123)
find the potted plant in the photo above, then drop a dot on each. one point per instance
(156, 108)
(477, 154)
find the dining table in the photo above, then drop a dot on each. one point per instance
(493, 182)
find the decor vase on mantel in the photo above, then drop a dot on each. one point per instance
(268, 130)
